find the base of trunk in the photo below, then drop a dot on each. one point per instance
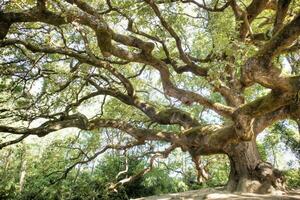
(263, 179)
(249, 173)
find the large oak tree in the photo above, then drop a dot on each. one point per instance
(229, 58)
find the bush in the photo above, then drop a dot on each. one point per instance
(293, 178)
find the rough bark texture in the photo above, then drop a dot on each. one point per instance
(248, 173)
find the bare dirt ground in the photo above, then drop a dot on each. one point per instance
(219, 194)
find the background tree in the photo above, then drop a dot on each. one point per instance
(205, 77)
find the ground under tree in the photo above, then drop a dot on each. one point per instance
(226, 57)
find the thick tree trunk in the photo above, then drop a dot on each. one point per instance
(249, 173)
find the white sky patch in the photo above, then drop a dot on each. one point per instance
(36, 87)
(92, 108)
(211, 117)
(286, 66)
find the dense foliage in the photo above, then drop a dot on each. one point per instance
(45, 165)
(92, 181)
(108, 99)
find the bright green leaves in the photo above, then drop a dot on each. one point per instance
(19, 5)
(254, 92)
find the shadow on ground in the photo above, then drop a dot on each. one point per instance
(219, 194)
